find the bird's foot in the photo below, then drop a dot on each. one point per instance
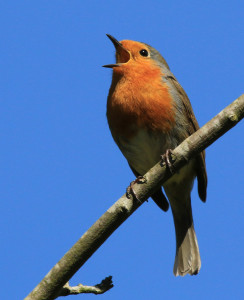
(130, 191)
(168, 160)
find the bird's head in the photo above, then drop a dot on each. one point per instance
(132, 54)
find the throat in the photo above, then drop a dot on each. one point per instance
(135, 102)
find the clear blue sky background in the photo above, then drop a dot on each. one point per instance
(60, 169)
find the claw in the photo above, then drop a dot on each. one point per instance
(130, 191)
(167, 159)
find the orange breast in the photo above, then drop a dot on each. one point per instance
(138, 98)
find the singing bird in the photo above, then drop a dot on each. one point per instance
(149, 113)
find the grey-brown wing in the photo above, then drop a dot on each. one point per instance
(200, 159)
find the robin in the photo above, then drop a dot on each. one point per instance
(149, 113)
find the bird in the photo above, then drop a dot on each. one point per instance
(149, 114)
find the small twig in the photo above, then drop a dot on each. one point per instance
(105, 285)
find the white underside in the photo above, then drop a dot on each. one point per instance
(145, 150)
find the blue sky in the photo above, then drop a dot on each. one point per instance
(60, 169)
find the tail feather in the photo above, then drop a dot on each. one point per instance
(187, 258)
(178, 190)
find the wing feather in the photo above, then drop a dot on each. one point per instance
(200, 159)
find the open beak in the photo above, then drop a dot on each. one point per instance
(122, 54)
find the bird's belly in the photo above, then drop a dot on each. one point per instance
(143, 150)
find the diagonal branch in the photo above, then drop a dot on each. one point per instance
(97, 234)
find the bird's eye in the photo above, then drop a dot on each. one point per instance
(144, 52)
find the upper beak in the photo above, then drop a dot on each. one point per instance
(122, 54)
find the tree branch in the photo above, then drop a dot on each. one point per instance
(100, 288)
(52, 283)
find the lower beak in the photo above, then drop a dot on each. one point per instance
(122, 54)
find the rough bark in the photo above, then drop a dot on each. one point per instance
(52, 283)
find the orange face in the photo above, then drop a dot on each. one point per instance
(135, 51)
(132, 56)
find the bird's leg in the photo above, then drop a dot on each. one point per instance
(130, 190)
(167, 159)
